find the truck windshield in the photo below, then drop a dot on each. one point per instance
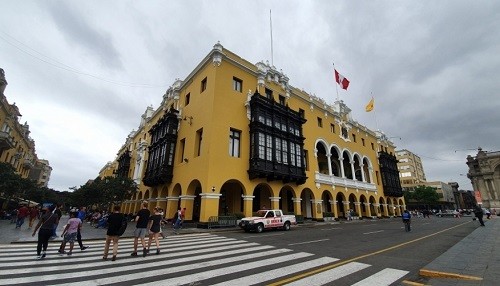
(261, 213)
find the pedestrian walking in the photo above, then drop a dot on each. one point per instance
(13, 216)
(154, 227)
(34, 213)
(479, 214)
(177, 221)
(81, 214)
(69, 233)
(22, 213)
(58, 212)
(141, 228)
(406, 216)
(112, 235)
(46, 226)
(349, 215)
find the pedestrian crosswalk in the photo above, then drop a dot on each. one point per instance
(196, 259)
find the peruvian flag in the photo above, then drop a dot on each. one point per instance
(341, 80)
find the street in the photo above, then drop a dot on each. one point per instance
(381, 243)
(316, 254)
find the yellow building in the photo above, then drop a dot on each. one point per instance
(16, 146)
(234, 137)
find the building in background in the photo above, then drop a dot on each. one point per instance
(411, 170)
(463, 199)
(16, 146)
(484, 173)
(41, 173)
(235, 137)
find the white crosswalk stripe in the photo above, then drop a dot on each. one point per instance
(197, 259)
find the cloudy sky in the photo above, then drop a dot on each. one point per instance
(83, 72)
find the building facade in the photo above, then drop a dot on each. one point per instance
(41, 173)
(411, 170)
(463, 199)
(16, 146)
(484, 173)
(235, 137)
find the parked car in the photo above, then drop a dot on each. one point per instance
(267, 219)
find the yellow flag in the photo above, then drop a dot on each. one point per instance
(369, 106)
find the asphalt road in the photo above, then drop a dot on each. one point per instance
(383, 243)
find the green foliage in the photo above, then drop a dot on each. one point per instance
(422, 194)
(10, 182)
(101, 193)
(14, 187)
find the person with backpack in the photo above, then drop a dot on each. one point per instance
(46, 226)
(407, 220)
(117, 222)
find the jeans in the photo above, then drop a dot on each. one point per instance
(20, 221)
(79, 238)
(43, 239)
(177, 224)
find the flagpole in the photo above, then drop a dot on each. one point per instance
(271, 28)
(335, 78)
(375, 113)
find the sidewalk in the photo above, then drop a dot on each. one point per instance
(475, 260)
(9, 234)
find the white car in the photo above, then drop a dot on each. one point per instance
(267, 219)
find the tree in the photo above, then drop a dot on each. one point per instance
(117, 189)
(102, 193)
(425, 195)
(9, 181)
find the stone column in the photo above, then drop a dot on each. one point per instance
(317, 209)
(247, 205)
(275, 202)
(334, 209)
(297, 206)
(209, 206)
(368, 210)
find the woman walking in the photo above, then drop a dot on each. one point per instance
(112, 235)
(46, 226)
(69, 233)
(154, 226)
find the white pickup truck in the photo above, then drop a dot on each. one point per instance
(266, 219)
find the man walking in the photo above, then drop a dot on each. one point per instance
(82, 213)
(141, 228)
(479, 214)
(34, 213)
(21, 215)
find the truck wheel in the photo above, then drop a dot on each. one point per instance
(259, 228)
(286, 226)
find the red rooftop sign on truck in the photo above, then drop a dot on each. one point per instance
(266, 219)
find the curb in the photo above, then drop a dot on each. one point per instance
(447, 275)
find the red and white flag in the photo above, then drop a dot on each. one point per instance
(341, 80)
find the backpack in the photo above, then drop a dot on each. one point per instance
(123, 226)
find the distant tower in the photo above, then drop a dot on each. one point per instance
(3, 81)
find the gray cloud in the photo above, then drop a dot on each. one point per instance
(431, 66)
(92, 37)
